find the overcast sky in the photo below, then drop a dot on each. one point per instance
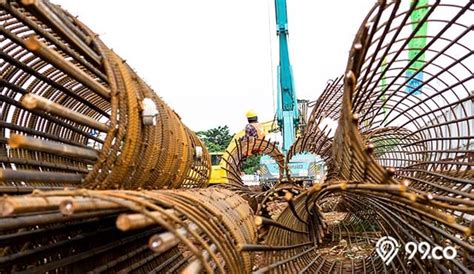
(211, 59)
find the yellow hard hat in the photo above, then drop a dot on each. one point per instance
(251, 113)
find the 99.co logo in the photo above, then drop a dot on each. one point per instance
(387, 248)
(428, 252)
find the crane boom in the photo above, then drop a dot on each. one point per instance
(287, 107)
(302, 167)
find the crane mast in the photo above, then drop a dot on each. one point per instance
(287, 107)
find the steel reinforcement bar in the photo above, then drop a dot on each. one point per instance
(73, 113)
(400, 162)
(128, 231)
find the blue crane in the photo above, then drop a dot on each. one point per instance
(302, 167)
(287, 106)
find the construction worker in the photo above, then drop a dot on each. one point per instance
(253, 128)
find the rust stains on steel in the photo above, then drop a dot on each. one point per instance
(74, 112)
(395, 132)
(205, 225)
(400, 162)
(248, 147)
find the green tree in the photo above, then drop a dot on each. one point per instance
(216, 139)
(251, 164)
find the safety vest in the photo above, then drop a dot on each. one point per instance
(260, 131)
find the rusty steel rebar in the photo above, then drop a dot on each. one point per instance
(167, 219)
(246, 148)
(399, 162)
(70, 106)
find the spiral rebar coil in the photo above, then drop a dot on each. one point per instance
(399, 164)
(400, 161)
(128, 231)
(73, 113)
